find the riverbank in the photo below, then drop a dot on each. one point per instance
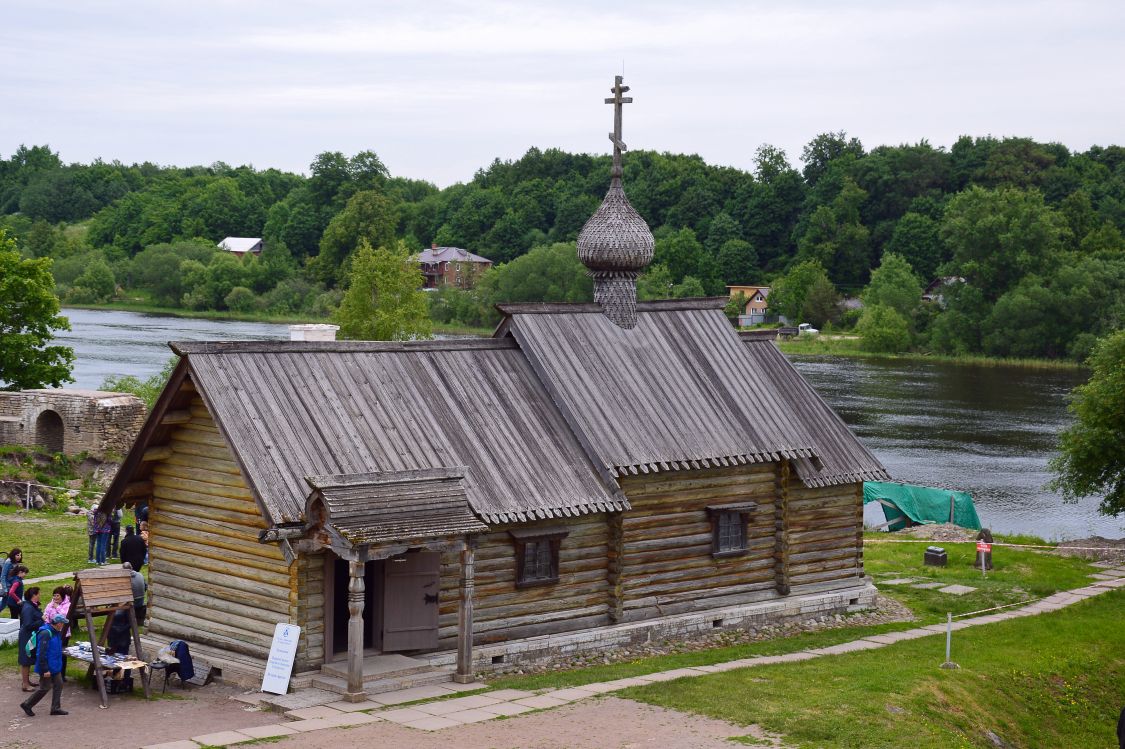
(260, 317)
(829, 345)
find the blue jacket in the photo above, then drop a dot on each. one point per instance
(48, 649)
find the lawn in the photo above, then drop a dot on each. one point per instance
(1051, 680)
(52, 541)
(1019, 575)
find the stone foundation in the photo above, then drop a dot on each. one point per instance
(98, 423)
(547, 647)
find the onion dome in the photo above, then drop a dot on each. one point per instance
(616, 243)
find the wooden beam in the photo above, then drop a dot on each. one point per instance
(464, 673)
(175, 417)
(157, 453)
(781, 529)
(137, 489)
(614, 571)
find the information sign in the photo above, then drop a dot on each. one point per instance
(982, 546)
(280, 663)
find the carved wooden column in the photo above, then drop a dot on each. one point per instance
(464, 673)
(355, 632)
(781, 530)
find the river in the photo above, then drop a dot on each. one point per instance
(987, 430)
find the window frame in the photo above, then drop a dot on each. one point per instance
(522, 537)
(743, 511)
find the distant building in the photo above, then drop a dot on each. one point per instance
(71, 421)
(755, 310)
(241, 245)
(451, 266)
(932, 292)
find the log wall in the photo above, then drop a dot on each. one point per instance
(213, 582)
(502, 612)
(667, 565)
(825, 536)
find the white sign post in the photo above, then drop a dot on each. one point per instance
(280, 663)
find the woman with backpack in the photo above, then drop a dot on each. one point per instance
(31, 619)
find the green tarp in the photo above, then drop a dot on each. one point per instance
(922, 504)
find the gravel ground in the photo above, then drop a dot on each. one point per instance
(128, 722)
(601, 723)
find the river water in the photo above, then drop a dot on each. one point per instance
(987, 430)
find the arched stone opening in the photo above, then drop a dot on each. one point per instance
(50, 431)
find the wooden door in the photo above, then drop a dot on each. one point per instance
(410, 601)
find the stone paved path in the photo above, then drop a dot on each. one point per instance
(434, 708)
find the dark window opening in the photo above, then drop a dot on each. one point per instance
(537, 555)
(729, 529)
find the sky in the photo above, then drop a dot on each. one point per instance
(441, 89)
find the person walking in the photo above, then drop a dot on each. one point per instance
(31, 619)
(133, 549)
(101, 529)
(60, 606)
(14, 596)
(49, 665)
(15, 556)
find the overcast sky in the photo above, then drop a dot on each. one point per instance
(440, 89)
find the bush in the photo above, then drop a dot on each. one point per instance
(241, 299)
(883, 330)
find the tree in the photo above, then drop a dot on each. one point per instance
(654, 283)
(916, 238)
(883, 330)
(369, 216)
(384, 300)
(545, 274)
(738, 262)
(96, 284)
(688, 288)
(894, 284)
(1090, 459)
(788, 294)
(29, 312)
(825, 148)
(999, 236)
(722, 230)
(820, 303)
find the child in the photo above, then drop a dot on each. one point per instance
(14, 594)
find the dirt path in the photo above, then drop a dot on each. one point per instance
(129, 722)
(602, 723)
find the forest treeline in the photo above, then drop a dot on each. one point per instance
(1030, 233)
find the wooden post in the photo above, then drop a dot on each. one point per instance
(146, 673)
(464, 673)
(781, 530)
(96, 666)
(615, 568)
(355, 632)
(859, 530)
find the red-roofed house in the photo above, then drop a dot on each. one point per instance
(451, 266)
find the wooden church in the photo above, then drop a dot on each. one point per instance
(591, 474)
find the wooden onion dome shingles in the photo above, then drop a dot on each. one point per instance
(616, 243)
(310, 409)
(681, 391)
(374, 508)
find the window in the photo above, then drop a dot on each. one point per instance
(729, 528)
(537, 555)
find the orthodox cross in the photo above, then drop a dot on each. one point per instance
(617, 101)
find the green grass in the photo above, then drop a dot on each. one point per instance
(1018, 576)
(52, 542)
(831, 346)
(1051, 680)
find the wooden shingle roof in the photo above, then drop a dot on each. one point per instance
(295, 409)
(371, 508)
(681, 390)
